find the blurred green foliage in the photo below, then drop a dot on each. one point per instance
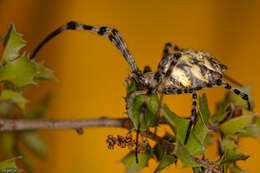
(17, 71)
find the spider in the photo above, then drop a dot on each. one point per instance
(179, 71)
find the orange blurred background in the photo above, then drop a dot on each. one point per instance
(91, 70)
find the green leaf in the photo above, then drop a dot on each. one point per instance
(5, 108)
(185, 156)
(35, 143)
(235, 169)
(159, 151)
(231, 156)
(9, 166)
(180, 126)
(203, 108)
(8, 143)
(150, 114)
(221, 112)
(166, 161)
(130, 160)
(17, 98)
(253, 130)
(43, 73)
(164, 155)
(13, 42)
(169, 137)
(131, 88)
(228, 143)
(38, 110)
(236, 124)
(200, 130)
(208, 140)
(19, 72)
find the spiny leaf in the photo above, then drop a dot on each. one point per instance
(17, 98)
(208, 140)
(221, 112)
(13, 42)
(228, 143)
(200, 130)
(19, 72)
(185, 156)
(131, 88)
(130, 160)
(180, 126)
(236, 124)
(253, 130)
(231, 156)
(166, 161)
(164, 155)
(43, 73)
(35, 143)
(9, 166)
(235, 169)
(150, 117)
(203, 108)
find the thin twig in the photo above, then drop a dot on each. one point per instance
(36, 124)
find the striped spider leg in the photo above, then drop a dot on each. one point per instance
(106, 31)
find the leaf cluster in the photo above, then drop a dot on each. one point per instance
(226, 126)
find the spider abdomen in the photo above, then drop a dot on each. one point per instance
(193, 69)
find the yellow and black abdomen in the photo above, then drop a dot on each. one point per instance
(195, 69)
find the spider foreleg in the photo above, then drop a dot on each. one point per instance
(109, 32)
(193, 116)
(241, 94)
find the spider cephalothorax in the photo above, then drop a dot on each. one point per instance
(179, 71)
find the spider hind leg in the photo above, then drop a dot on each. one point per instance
(193, 116)
(241, 94)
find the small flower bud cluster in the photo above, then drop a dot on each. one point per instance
(121, 141)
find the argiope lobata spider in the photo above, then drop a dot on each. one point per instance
(179, 71)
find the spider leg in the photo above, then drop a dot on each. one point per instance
(241, 94)
(147, 69)
(193, 116)
(109, 32)
(167, 48)
(161, 70)
(141, 117)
